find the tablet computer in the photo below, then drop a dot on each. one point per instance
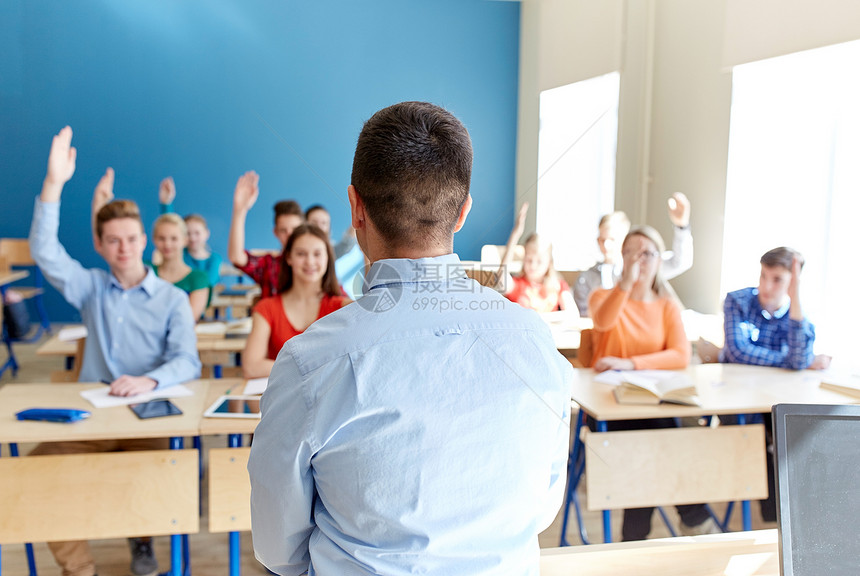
(155, 409)
(234, 406)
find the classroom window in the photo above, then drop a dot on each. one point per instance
(576, 166)
(793, 180)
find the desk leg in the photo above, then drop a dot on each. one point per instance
(176, 548)
(607, 514)
(573, 481)
(746, 512)
(31, 557)
(235, 441)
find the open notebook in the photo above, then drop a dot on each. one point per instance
(817, 450)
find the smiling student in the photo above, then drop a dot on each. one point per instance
(307, 291)
(140, 328)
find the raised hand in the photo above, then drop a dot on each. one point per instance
(520, 224)
(679, 210)
(630, 273)
(247, 191)
(61, 165)
(794, 283)
(103, 193)
(166, 191)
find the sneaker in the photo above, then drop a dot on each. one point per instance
(142, 559)
(709, 526)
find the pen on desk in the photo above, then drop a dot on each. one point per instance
(103, 381)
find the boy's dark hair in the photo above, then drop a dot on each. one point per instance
(412, 167)
(287, 208)
(781, 256)
(314, 208)
(329, 279)
(115, 210)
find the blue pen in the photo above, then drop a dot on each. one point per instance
(103, 381)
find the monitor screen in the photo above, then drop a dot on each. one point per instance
(817, 451)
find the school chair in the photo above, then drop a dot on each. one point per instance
(16, 254)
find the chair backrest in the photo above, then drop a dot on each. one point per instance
(620, 474)
(585, 353)
(229, 490)
(96, 496)
(16, 252)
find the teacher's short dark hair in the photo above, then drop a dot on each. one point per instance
(412, 169)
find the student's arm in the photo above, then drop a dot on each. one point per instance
(244, 196)
(504, 281)
(102, 196)
(181, 360)
(64, 273)
(677, 352)
(680, 259)
(740, 348)
(198, 299)
(166, 195)
(606, 306)
(566, 301)
(801, 334)
(255, 361)
(282, 484)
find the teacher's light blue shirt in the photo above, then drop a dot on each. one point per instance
(420, 430)
(146, 330)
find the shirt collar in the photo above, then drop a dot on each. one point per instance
(407, 271)
(779, 313)
(147, 285)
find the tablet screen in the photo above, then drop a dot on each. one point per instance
(235, 407)
(155, 409)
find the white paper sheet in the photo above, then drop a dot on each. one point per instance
(255, 386)
(101, 398)
(72, 333)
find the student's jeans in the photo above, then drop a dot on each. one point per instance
(74, 556)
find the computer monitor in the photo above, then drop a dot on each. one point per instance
(817, 450)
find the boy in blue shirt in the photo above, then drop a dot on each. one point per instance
(140, 328)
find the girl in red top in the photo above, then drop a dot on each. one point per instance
(307, 291)
(538, 287)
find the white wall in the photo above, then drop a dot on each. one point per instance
(675, 98)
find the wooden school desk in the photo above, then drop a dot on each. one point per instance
(690, 456)
(102, 493)
(733, 554)
(214, 352)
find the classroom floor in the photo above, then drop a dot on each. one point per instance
(209, 551)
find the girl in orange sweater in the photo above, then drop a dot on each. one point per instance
(637, 325)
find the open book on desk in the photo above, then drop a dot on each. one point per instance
(651, 387)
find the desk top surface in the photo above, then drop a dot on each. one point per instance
(53, 346)
(722, 389)
(105, 423)
(738, 554)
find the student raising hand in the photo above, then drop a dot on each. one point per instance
(166, 191)
(61, 165)
(247, 191)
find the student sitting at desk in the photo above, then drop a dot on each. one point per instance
(637, 325)
(538, 287)
(265, 269)
(170, 237)
(308, 290)
(197, 253)
(140, 328)
(765, 326)
(612, 229)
